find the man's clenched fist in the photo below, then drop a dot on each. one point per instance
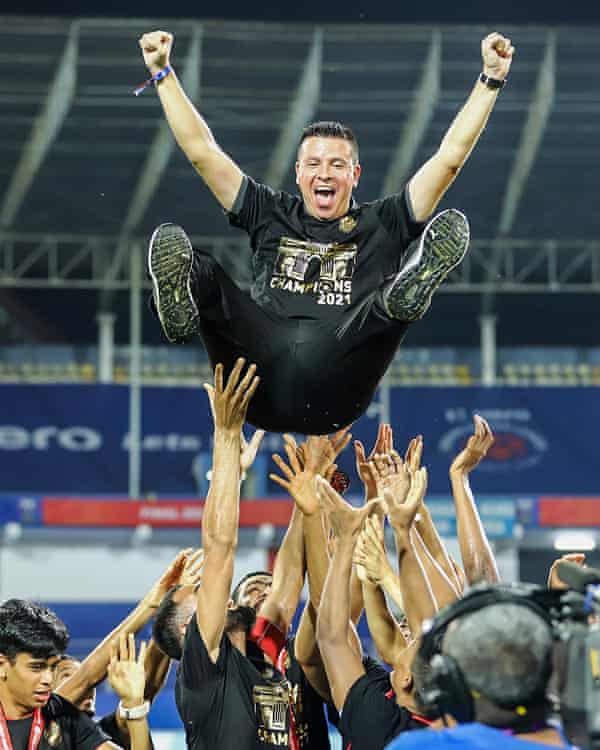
(156, 48)
(497, 52)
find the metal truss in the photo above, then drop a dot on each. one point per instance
(63, 261)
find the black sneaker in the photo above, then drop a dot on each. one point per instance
(441, 248)
(170, 258)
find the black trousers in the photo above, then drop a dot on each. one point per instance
(316, 375)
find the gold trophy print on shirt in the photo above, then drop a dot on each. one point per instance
(337, 261)
(271, 704)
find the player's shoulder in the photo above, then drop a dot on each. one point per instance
(391, 202)
(278, 197)
(59, 707)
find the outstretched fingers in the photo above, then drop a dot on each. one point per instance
(283, 467)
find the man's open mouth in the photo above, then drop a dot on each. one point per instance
(324, 197)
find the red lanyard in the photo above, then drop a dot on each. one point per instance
(35, 736)
(294, 745)
(391, 695)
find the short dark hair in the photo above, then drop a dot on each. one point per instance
(166, 629)
(504, 651)
(330, 129)
(29, 628)
(236, 591)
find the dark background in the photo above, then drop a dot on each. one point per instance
(580, 12)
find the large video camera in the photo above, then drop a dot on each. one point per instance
(576, 617)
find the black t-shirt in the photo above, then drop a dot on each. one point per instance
(370, 716)
(307, 267)
(109, 725)
(308, 707)
(230, 705)
(66, 728)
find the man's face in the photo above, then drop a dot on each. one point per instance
(326, 174)
(254, 591)
(65, 669)
(29, 679)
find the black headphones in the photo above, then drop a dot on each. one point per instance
(445, 689)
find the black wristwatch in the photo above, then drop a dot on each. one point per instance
(492, 83)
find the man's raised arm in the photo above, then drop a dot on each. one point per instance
(221, 512)
(217, 169)
(477, 557)
(427, 187)
(93, 668)
(343, 663)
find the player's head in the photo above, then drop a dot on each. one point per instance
(246, 600)
(504, 653)
(67, 666)
(32, 639)
(172, 618)
(406, 675)
(327, 169)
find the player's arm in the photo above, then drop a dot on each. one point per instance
(217, 169)
(424, 522)
(156, 667)
(93, 668)
(342, 663)
(417, 594)
(443, 589)
(373, 567)
(288, 577)
(477, 557)
(221, 511)
(314, 458)
(429, 184)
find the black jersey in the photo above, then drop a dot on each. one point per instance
(370, 716)
(66, 728)
(310, 724)
(232, 704)
(313, 322)
(313, 268)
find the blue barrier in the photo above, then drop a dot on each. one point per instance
(73, 438)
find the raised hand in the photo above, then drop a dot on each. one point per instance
(126, 672)
(370, 556)
(383, 445)
(171, 577)
(402, 513)
(313, 458)
(230, 403)
(191, 574)
(156, 48)
(248, 450)
(346, 521)
(477, 447)
(390, 473)
(414, 453)
(497, 53)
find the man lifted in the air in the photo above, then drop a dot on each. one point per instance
(335, 284)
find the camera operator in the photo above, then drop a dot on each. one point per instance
(487, 662)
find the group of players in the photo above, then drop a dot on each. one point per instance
(242, 682)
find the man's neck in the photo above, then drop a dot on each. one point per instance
(238, 639)
(12, 709)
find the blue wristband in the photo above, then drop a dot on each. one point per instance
(155, 79)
